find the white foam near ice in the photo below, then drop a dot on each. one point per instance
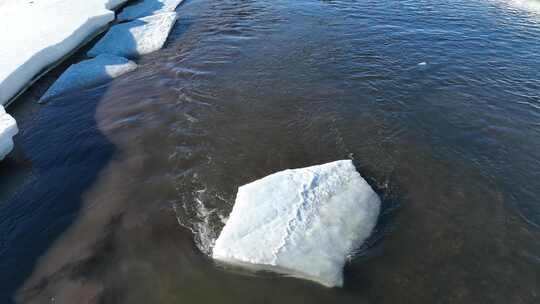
(27, 50)
(302, 222)
(90, 72)
(8, 129)
(147, 8)
(135, 38)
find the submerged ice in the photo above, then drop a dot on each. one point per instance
(88, 72)
(302, 222)
(135, 38)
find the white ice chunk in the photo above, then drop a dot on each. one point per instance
(302, 222)
(135, 38)
(36, 34)
(8, 129)
(147, 8)
(90, 72)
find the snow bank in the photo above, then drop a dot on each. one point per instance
(147, 8)
(302, 222)
(8, 129)
(89, 72)
(36, 34)
(135, 38)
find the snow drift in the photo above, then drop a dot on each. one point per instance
(89, 72)
(135, 38)
(8, 129)
(302, 222)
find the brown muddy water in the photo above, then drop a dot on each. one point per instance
(117, 192)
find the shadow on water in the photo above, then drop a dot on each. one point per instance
(62, 143)
(387, 187)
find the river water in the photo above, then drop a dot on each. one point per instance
(117, 192)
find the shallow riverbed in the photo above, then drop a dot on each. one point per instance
(117, 192)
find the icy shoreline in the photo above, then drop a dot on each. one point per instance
(30, 51)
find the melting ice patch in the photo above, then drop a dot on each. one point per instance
(302, 222)
(135, 38)
(8, 129)
(147, 8)
(89, 72)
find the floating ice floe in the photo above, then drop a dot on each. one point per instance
(301, 222)
(37, 34)
(90, 72)
(135, 38)
(8, 129)
(147, 8)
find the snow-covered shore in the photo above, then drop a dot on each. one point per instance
(46, 31)
(37, 34)
(43, 32)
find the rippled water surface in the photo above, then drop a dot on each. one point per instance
(117, 192)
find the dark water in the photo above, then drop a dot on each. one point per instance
(122, 188)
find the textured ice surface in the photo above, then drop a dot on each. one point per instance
(26, 49)
(89, 72)
(135, 38)
(8, 129)
(147, 8)
(302, 222)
